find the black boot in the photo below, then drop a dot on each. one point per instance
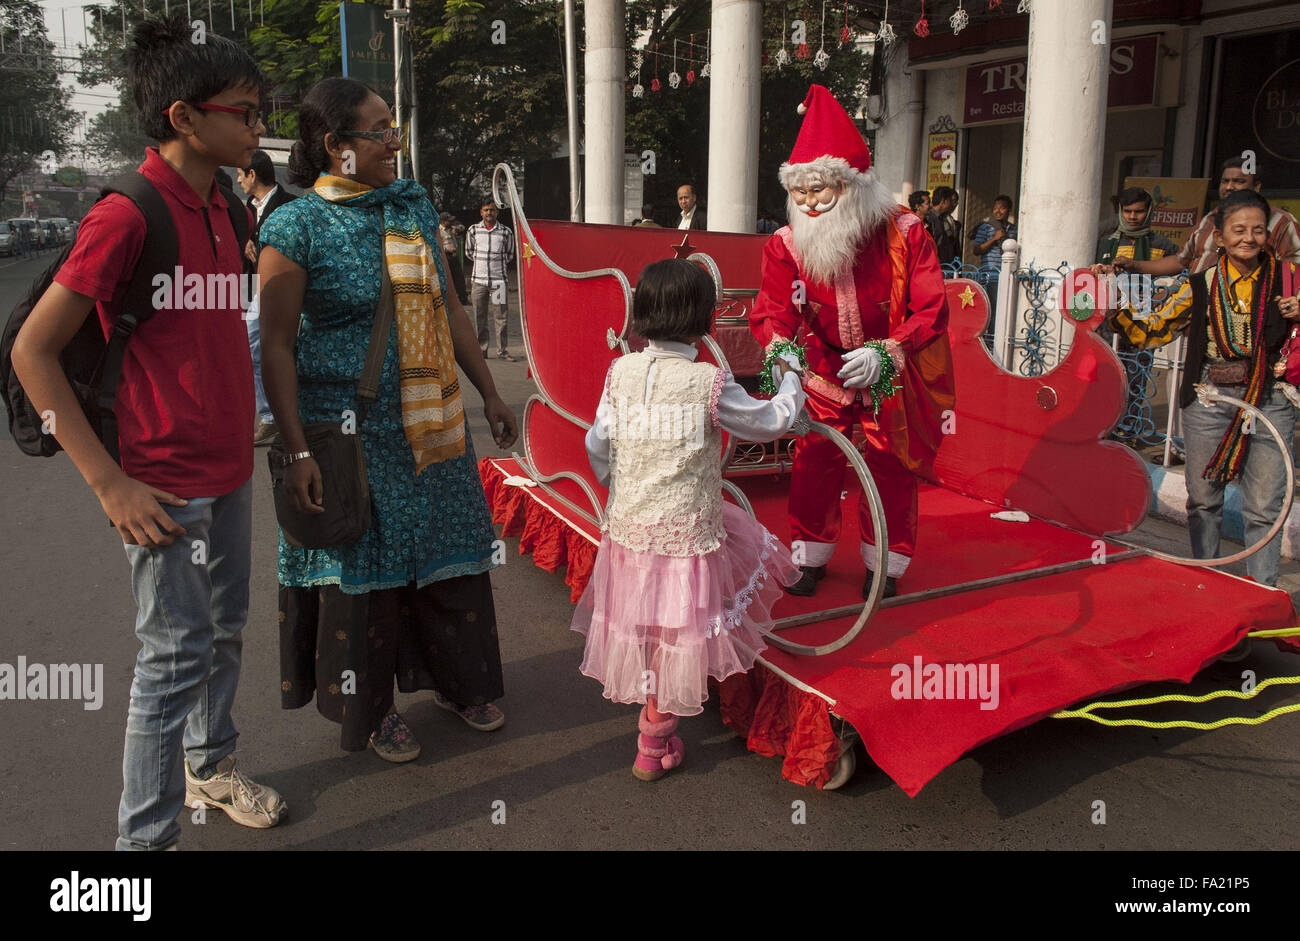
(891, 586)
(807, 583)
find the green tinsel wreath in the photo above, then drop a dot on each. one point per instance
(765, 383)
(883, 387)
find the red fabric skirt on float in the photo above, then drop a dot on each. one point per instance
(662, 625)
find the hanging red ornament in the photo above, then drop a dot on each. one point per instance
(995, 5)
(845, 35)
(765, 57)
(922, 27)
(690, 75)
(802, 51)
(655, 84)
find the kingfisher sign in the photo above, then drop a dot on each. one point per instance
(995, 91)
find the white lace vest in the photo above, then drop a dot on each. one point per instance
(665, 456)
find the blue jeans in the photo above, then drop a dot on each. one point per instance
(252, 321)
(1262, 480)
(193, 600)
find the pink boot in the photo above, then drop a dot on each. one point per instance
(658, 750)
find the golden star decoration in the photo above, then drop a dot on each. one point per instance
(967, 297)
(529, 254)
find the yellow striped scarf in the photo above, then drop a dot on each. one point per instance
(432, 413)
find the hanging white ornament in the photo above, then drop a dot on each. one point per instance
(886, 35)
(636, 61)
(674, 79)
(959, 20)
(821, 60)
(638, 90)
(782, 57)
(1024, 7)
(708, 62)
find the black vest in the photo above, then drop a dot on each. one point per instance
(1276, 330)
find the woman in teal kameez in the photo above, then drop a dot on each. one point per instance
(411, 599)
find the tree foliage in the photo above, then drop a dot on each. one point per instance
(37, 117)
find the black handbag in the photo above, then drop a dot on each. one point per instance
(342, 462)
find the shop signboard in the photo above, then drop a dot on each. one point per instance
(995, 91)
(1176, 204)
(941, 160)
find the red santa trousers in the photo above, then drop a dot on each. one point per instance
(817, 483)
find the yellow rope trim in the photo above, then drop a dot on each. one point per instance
(1279, 632)
(1085, 712)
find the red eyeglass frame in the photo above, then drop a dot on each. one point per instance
(225, 108)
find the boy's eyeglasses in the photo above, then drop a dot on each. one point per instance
(252, 116)
(386, 136)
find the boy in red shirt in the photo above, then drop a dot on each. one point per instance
(181, 498)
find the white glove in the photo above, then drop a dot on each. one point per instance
(790, 360)
(861, 367)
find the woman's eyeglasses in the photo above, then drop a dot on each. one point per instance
(252, 116)
(386, 136)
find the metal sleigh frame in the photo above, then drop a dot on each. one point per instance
(595, 514)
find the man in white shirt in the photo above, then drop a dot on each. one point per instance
(489, 248)
(692, 216)
(265, 195)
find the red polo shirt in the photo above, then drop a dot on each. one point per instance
(185, 403)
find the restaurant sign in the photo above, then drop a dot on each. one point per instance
(995, 91)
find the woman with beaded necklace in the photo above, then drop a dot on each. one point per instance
(1237, 321)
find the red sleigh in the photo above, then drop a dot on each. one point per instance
(1000, 623)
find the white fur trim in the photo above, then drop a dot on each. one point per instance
(801, 108)
(828, 169)
(895, 565)
(814, 553)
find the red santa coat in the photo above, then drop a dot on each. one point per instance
(895, 292)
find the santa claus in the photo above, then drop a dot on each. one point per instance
(854, 279)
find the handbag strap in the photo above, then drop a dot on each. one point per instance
(368, 386)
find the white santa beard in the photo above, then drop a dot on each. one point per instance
(828, 244)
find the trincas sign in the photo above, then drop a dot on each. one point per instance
(995, 91)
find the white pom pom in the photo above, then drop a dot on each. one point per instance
(802, 108)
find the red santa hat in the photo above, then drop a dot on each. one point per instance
(829, 146)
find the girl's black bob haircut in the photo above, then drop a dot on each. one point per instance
(329, 107)
(674, 301)
(1240, 199)
(165, 63)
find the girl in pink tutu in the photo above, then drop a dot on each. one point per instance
(684, 583)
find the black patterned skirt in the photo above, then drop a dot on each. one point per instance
(346, 650)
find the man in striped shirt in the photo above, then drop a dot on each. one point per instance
(489, 248)
(1200, 252)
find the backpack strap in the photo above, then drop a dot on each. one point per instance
(158, 255)
(238, 216)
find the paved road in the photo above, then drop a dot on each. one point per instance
(560, 765)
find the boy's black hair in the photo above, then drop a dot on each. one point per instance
(164, 65)
(941, 193)
(916, 197)
(1240, 199)
(1003, 198)
(1134, 194)
(674, 301)
(488, 201)
(260, 166)
(329, 107)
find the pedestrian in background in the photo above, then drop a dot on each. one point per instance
(450, 232)
(490, 247)
(988, 237)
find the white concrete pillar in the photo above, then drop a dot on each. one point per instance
(735, 67)
(914, 146)
(1065, 119)
(605, 67)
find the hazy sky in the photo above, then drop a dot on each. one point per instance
(65, 23)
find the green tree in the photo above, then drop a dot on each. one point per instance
(38, 118)
(491, 90)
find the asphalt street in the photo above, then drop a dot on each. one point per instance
(560, 768)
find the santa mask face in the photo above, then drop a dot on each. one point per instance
(816, 198)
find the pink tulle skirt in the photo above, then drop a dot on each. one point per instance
(662, 625)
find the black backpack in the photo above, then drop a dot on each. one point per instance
(92, 365)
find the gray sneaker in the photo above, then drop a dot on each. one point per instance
(485, 718)
(244, 801)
